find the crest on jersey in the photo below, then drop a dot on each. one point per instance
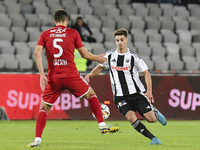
(113, 60)
(127, 60)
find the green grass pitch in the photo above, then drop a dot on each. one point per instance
(85, 135)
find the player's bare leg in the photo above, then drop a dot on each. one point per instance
(150, 117)
(96, 109)
(137, 125)
(40, 124)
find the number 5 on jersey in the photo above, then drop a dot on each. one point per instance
(58, 47)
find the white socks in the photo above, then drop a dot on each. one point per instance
(102, 124)
(37, 139)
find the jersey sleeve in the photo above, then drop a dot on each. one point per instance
(106, 65)
(78, 41)
(140, 64)
(41, 40)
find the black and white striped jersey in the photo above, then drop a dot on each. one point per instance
(124, 72)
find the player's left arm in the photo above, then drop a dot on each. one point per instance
(148, 82)
(38, 59)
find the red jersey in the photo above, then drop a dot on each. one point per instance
(60, 43)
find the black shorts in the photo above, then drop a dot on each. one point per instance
(135, 102)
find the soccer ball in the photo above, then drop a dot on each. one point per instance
(105, 111)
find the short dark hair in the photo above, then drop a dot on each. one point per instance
(121, 31)
(60, 15)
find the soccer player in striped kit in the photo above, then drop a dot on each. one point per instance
(129, 93)
(60, 43)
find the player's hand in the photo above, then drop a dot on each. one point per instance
(43, 82)
(149, 97)
(101, 59)
(87, 78)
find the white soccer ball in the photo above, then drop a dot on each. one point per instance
(105, 111)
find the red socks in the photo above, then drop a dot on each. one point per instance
(41, 122)
(42, 115)
(96, 108)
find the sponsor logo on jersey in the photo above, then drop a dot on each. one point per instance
(53, 30)
(59, 62)
(121, 68)
(58, 30)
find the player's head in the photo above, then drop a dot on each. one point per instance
(61, 16)
(121, 31)
(121, 39)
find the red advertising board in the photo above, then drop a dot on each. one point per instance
(21, 97)
(177, 97)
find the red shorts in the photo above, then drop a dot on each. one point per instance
(76, 85)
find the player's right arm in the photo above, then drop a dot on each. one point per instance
(83, 51)
(38, 59)
(94, 72)
(87, 55)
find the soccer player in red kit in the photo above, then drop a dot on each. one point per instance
(60, 43)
